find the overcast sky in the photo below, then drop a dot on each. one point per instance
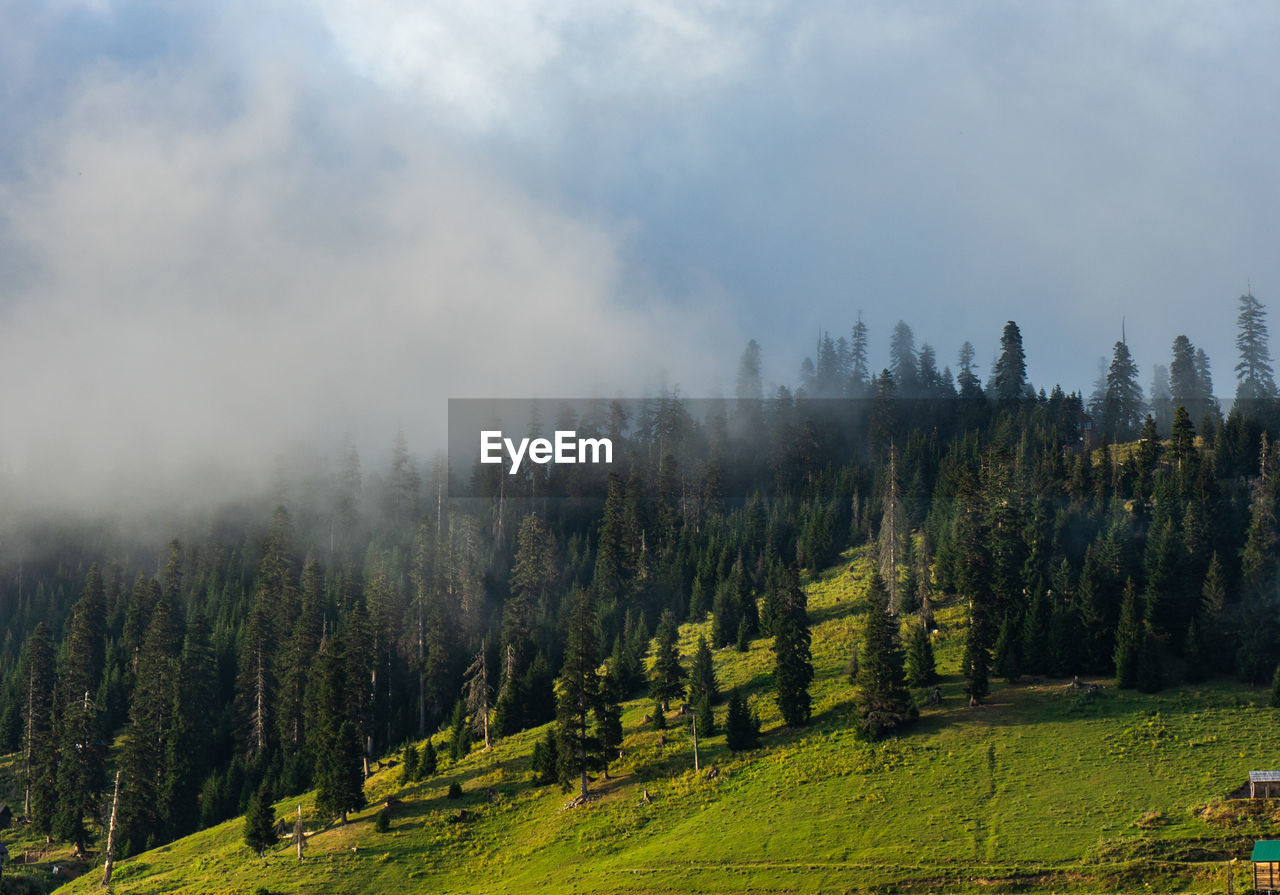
(229, 227)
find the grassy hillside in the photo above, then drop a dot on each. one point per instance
(1047, 788)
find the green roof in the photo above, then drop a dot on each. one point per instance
(1266, 850)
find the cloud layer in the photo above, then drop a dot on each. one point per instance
(210, 270)
(225, 231)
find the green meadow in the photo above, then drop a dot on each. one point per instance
(1046, 788)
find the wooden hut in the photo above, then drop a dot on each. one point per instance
(1266, 866)
(1264, 784)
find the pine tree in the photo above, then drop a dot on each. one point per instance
(189, 740)
(1129, 640)
(702, 677)
(144, 818)
(1150, 673)
(749, 386)
(459, 733)
(920, 667)
(476, 695)
(81, 743)
(793, 662)
(973, 577)
(1253, 372)
(741, 727)
(295, 659)
(543, 762)
(903, 361)
(705, 717)
(38, 742)
(1011, 369)
(859, 371)
(892, 532)
(884, 704)
(726, 618)
(1005, 660)
(409, 764)
(255, 684)
(1035, 650)
(666, 679)
(967, 380)
(429, 763)
(339, 752)
(1122, 406)
(533, 573)
(578, 749)
(1182, 441)
(260, 823)
(608, 717)
(1275, 688)
(1194, 653)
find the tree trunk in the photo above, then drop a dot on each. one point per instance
(109, 864)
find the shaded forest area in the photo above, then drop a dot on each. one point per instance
(349, 612)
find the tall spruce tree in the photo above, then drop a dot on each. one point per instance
(741, 726)
(666, 679)
(793, 662)
(1011, 367)
(39, 749)
(973, 580)
(1129, 639)
(577, 747)
(339, 772)
(260, 823)
(1255, 381)
(81, 740)
(702, 677)
(1122, 406)
(143, 814)
(884, 703)
(921, 668)
(608, 719)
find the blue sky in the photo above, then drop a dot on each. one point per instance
(297, 219)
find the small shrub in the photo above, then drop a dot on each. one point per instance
(455, 790)
(382, 823)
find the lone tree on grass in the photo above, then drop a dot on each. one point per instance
(578, 749)
(742, 727)
(793, 661)
(921, 668)
(260, 823)
(884, 703)
(428, 763)
(702, 679)
(666, 681)
(409, 764)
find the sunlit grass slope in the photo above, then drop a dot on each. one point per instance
(1047, 788)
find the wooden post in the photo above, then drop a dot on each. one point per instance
(110, 862)
(1230, 882)
(299, 835)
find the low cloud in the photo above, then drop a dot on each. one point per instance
(206, 272)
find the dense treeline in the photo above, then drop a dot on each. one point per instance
(285, 645)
